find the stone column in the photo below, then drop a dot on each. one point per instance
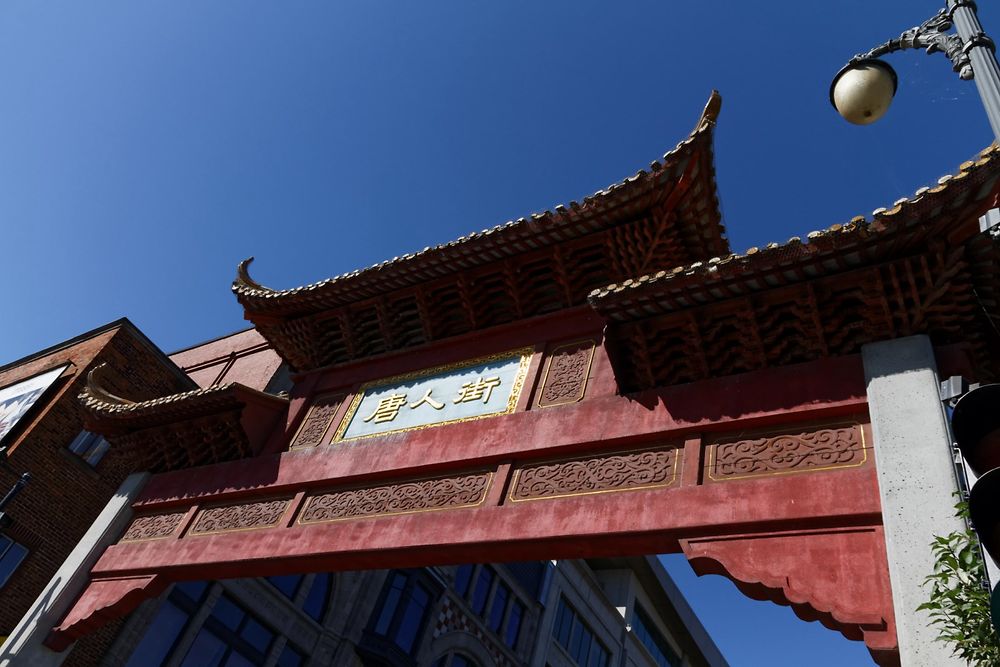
(916, 479)
(24, 646)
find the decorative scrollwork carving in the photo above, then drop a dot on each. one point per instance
(820, 449)
(628, 471)
(154, 527)
(401, 498)
(566, 374)
(317, 421)
(932, 35)
(249, 516)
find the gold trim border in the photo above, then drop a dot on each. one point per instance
(486, 490)
(712, 445)
(678, 452)
(329, 424)
(194, 521)
(515, 393)
(548, 365)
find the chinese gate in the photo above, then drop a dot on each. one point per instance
(554, 388)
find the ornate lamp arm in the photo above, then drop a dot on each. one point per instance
(932, 36)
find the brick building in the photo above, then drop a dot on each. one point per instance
(73, 474)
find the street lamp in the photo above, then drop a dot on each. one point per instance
(22, 482)
(862, 91)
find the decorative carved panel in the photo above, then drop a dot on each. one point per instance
(154, 527)
(401, 498)
(811, 449)
(566, 371)
(317, 421)
(249, 516)
(627, 471)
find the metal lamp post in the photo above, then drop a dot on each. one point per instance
(862, 91)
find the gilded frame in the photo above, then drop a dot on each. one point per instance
(676, 447)
(712, 445)
(525, 354)
(548, 366)
(490, 474)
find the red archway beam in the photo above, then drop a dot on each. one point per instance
(835, 576)
(593, 525)
(823, 390)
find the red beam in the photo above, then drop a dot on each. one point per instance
(628, 522)
(820, 389)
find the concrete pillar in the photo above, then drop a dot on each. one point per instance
(916, 482)
(24, 646)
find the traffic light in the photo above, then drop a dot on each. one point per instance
(975, 423)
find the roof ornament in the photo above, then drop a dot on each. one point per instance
(245, 282)
(711, 111)
(95, 392)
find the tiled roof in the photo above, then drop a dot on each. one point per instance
(107, 409)
(839, 247)
(604, 208)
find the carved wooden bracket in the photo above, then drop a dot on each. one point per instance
(103, 601)
(837, 576)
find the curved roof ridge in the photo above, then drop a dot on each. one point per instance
(246, 287)
(97, 399)
(880, 216)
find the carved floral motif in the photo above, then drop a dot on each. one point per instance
(839, 447)
(566, 376)
(317, 421)
(154, 527)
(401, 498)
(239, 517)
(616, 472)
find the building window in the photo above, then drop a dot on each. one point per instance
(319, 596)
(505, 612)
(231, 637)
(403, 610)
(498, 607)
(482, 590)
(463, 577)
(289, 657)
(171, 619)
(657, 645)
(578, 639)
(513, 624)
(11, 555)
(91, 447)
(287, 584)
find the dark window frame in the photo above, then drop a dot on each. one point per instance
(652, 639)
(232, 637)
(466, 584)
(86, 443)
(570, 630)
(178, 599)
(412, 579)
(5, 550)
(326, 593)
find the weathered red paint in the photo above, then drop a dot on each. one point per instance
(832, 514)
(103, 601)
(808, 570)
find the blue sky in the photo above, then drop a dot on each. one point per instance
(146, 148)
